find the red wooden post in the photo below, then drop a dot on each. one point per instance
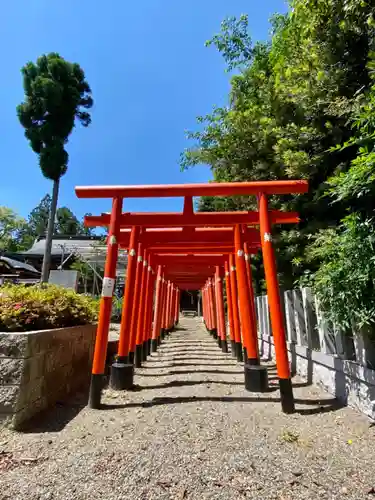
(171, 306)
(248, 333)
(251, 287)
(163, 306)
(147, 298)
(178, 306)
(220, 310)
(166, 311)
(236, 315)
(152, 308)
(204, 309)
(136, 303)
(209, 324)
(216, 309)
(128, 300)
(101, 341)
(167, 306)
(122, 372)
(276, 313)
(230, 310)
(212, 308)
(138, 357)
(157, 311)
(208, 309)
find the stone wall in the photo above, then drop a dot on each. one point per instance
(339, 362)
(37, 369)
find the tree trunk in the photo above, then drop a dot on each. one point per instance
(49, 235)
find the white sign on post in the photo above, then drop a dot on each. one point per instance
(108, 286)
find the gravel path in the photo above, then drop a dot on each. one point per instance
(191, 431)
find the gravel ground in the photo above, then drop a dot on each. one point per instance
(191, 431)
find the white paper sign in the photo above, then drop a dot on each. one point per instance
(108, 286)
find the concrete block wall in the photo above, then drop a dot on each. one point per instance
(341, 363)
(37, 369)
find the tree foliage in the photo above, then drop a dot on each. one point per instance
(56, 93)
(17, 234)
(10, 226)
(292, 101)
(345, 279)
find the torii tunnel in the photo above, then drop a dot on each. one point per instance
(169, 252)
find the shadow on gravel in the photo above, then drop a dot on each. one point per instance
(185, 372)
(56, 418)
(182, 383)
(209, 364)
(199, 361)
(183, 350)
(321, 405)
(186, 343)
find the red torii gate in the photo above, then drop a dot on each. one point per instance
(189, 221)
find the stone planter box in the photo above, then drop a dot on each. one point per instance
(39, 368)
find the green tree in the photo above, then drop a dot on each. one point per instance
(56, 94)
(291, 101)
(37, 222)
(66, 222)
(10, 226)
(345, 278)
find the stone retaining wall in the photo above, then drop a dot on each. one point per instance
(350, 383)
(342, 363)
(39, 368)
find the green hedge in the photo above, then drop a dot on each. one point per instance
(26, 308)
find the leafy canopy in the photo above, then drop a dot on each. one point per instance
(10, 226)
(56, 93)
(292, 100)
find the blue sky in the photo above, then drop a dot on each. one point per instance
(150, 75)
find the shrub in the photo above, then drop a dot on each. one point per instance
(345, 281)
(39, 307)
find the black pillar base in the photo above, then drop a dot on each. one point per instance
(122, 359)
(154, 345)
(149, 347)
(224, 346)
(245, 357)
(95, 393)
(162, 334)
(252, 361)
(219, 342)
(292, 367)
(138, 356)
(239, 355)
(286, 395)
(122, 376)
(214, 333)
(144, 351)
(256, 378)
(159, 340)
(233, 348)
(131, 357)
